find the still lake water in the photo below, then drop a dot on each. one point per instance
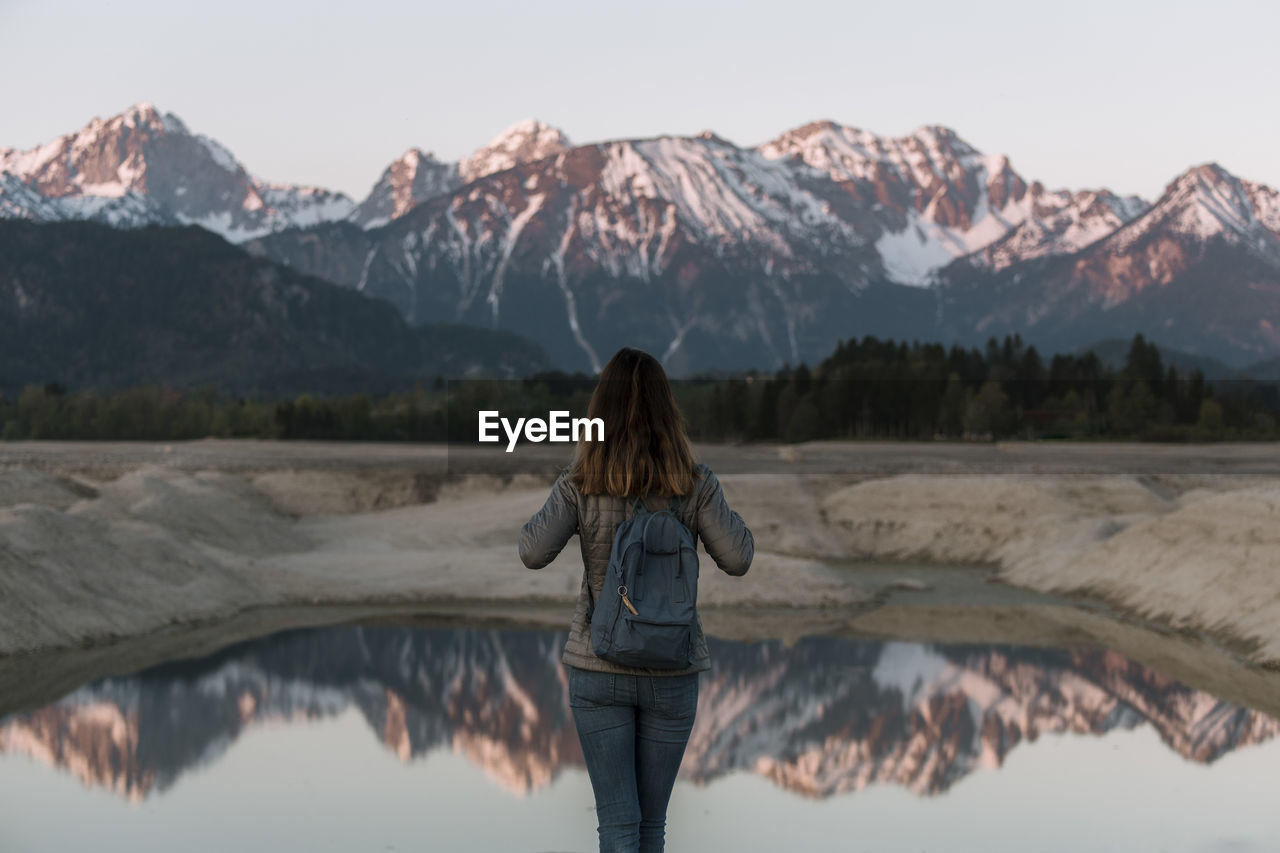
(396, 738)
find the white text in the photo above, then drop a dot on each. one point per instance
(558, 427)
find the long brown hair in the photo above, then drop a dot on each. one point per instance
(645, 449)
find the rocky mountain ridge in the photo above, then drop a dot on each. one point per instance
(712, 255)
(924, 199)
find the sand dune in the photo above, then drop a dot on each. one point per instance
(159, 546)
(86, 558)
(1205, 558)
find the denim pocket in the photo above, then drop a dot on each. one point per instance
(588, 688)
(675, 695)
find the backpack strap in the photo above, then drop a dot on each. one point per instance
(638, 506)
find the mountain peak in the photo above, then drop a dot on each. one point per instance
(522, 142)
(813, 128)
(412, 178)
(144, 166)
(941, 131)
(142, 110)
(712, 136)
(1210, 171)
(829, 136)
(942, 138)
(418, 175)
(1203, 205)
(529, 136)
(143, 114)
(529, 127)
(1207, 200)
(415, 158)
(1201, 177)
(812, 133)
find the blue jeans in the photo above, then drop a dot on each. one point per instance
(633, 731)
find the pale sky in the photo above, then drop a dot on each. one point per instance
(1124, 94)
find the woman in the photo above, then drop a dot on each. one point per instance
(633, 723)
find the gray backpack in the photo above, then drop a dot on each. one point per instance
(647, 614)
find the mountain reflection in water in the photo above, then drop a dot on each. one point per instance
(822, 716)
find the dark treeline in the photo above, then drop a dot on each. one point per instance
(865, 389)
(52, 412)
(883, 389)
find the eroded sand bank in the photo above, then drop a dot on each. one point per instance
(101, 542)
(1200, 553)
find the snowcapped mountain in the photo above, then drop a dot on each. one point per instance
(712, 255)
(1059, 223)
(709, 254)
(928, 198)
(647, 240)
(921, 200)
(1208, 200)
(417, 175)
(1199, 271)
(819, 717)
(412, 179)
(1203, 205)
(141, 167)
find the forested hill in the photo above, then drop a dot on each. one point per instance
(92, 307)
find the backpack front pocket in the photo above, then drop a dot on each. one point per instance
(649, 643)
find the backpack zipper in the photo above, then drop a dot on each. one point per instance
(622, 591)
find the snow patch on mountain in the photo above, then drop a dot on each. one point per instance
(912, 254)
(909, 668)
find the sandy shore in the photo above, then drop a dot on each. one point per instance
(103, 542)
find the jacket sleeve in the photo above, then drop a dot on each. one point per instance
(551, 527)
(724, 534)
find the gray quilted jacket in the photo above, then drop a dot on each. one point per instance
(595, 518)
